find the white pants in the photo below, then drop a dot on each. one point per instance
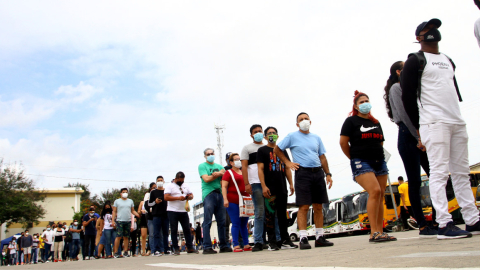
(447, 150)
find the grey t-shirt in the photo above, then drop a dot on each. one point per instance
(124, 209)
(75, 235)
(398, 111)
(249, 152)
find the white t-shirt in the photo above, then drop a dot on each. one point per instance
(438, 101)
(13, 245)
(176, 191)
(48, 236)
(107, 222)
(249, 153)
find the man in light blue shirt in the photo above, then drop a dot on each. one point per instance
(310, 163)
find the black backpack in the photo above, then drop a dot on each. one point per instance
(422, 61)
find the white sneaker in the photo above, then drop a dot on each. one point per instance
(92, 258)
(87, 258)
(157, 253)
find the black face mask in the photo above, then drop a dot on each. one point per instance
(433, 35)
(179, 183)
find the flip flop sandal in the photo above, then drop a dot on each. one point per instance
(247, 249)
(377, 238)
(237, 249)
(389, 237)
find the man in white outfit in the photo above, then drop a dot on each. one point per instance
(430, 100)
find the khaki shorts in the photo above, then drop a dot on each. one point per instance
(27, 250)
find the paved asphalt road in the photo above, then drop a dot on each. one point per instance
(349, 252)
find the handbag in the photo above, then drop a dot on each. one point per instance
(245, 203)
(187, 206)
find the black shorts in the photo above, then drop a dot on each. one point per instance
(310, 187)
(143, 221)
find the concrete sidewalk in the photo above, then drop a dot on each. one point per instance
(350, 252)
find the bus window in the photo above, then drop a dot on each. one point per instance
(388, 197)
(362, 202)
(329, 216)
(309, 217)
(292, 219)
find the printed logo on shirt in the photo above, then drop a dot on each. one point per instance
(364, 129)
(441, 65)
(275, 163)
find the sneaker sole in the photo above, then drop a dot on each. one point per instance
(427, 236)
(288, 247)
(475, 232)
(271, 249)
(306, 248)
(443, 237)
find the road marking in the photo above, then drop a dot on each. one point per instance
(440, 254)
(263, 267)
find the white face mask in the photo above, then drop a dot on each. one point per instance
(304, 125)
(75, 223)
(124, 195)
(26, 233)
(237, 163)
(159, 184)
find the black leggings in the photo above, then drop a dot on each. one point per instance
(133, 248)
(276, 206)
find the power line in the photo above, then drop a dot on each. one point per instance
(89, 179)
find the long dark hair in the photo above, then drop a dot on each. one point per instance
(105, 210)
(393, 79)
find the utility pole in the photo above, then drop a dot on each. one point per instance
(219, 129)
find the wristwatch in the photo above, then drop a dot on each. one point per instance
(328, 174)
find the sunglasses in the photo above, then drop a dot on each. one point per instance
(181, 190)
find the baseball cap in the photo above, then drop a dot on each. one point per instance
(228, 155)
(420, 27)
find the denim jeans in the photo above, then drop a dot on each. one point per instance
(239, 224)
(160, 234)
(182, 217)
(110, 235)
(413, 158)
(34, 255)
(74, 248)
(259, 204)
(48, 248)
(213, 205)
(151, 231)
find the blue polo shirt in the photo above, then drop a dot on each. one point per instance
(306, 148)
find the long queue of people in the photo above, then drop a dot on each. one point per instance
(421, 98)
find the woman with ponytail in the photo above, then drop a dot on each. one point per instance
(361, 140)
(413, 154)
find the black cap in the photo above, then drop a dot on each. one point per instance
(436, 22)
(228, 155)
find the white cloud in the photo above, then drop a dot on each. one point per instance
(77, 94)
(23, 112)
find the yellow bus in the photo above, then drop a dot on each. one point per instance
(453, 207)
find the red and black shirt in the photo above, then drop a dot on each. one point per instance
(365, 136)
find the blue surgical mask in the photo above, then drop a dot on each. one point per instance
(365, 107)
(258, 137)
(211, 158)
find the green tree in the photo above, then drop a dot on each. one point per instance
(85, 201)
(136, 193)
(19, 199)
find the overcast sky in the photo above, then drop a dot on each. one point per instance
(126, 91)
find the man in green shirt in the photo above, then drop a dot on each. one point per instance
(211, 176)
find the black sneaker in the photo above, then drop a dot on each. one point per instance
(474, 229)
(287, 244)
(322, 242)
(428, 233)
(304, 243)
(452, 232)
(273, 247)
(257, 247)
(265, 246)
(176, 252)
(125, 254)
(226, 249)
(209, 251)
